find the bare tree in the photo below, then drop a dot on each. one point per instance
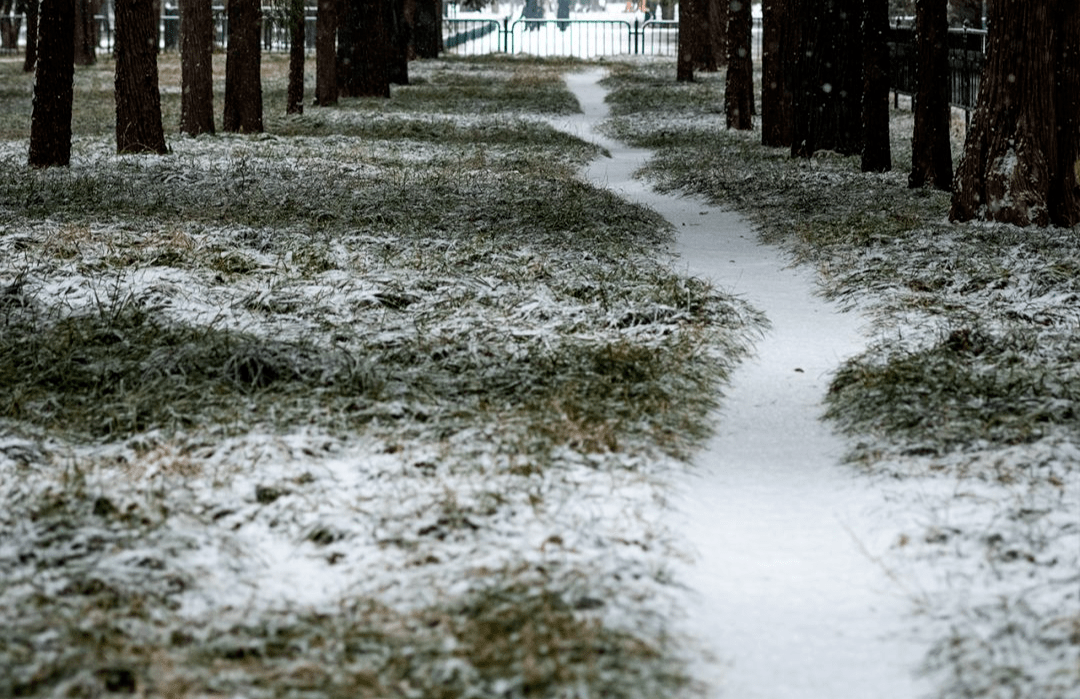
(1021, 156)
(196, 67)
(243, 61)
(739, 86)
(877, 152)
(138, 101)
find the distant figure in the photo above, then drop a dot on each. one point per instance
(533, 10)
(563, 13)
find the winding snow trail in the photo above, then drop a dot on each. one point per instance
(786, 591)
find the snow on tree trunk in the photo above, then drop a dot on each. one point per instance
(50, 122)
(138, 102)
(739, 86)
(243, 61)
(876, 153)
(196, 67)
(931, 150)
(1020, 158)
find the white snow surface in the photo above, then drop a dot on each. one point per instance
(788, 590)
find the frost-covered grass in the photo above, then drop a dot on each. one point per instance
(382, 402)
(965, 406)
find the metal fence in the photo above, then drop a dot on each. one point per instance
(581, 38)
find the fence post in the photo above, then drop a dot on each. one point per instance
(634, 32)
(506, 34)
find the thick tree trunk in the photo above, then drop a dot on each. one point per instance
(295, 98)
(827, 90)
(243, 62)
(326, 30)
(85, 33)
(1020, 157)
(424, 18)
(50, 123)
(877, 151)
(365, 59)
(30, 59)
(739, 86)
(399, 37)
(689, 38)
(138, 102)
(714, 47)
(775, 78)
(931, 151)
(196, 67)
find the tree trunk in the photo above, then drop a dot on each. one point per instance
(31, 35)
(775, 79)
(714, 47)
(1020, 157)
(931, 151)
(196, 67)
(50, 123)
(243, 64)
(424, 18)
(10, 24)
(365, 58)
(138, 102)
(877, 150)
(827, 90)
(689, 38)
(739, 86)
(295, 99)
(326, 29)
(85, 34)
(399, 33)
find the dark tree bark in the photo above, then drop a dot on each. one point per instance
(827, 86)
(777, 39)
(1021, 154)
(877, 151)
(10, 24)
(326, 31)
(931, 151)
(31, 35)
(714, 48)
(295, 98)
(690, 38)
(138, 102)
(365, 48)
(399, 32)
(424, 18)
(243, 63)
(50, 123)
(85, 33)
(196, 67)
(739, 86)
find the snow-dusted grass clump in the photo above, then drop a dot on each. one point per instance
(380, 403)
(966, 404)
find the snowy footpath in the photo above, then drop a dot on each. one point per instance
(787, 591)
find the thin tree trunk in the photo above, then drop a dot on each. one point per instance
(295, 100)
(31, 35)
(739, 86)
(243, 60)
(50, 122)
(196, 67)
(877, 153)
(326, 27)
(931, 150)
(138, 102)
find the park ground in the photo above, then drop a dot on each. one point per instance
(387, 401)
